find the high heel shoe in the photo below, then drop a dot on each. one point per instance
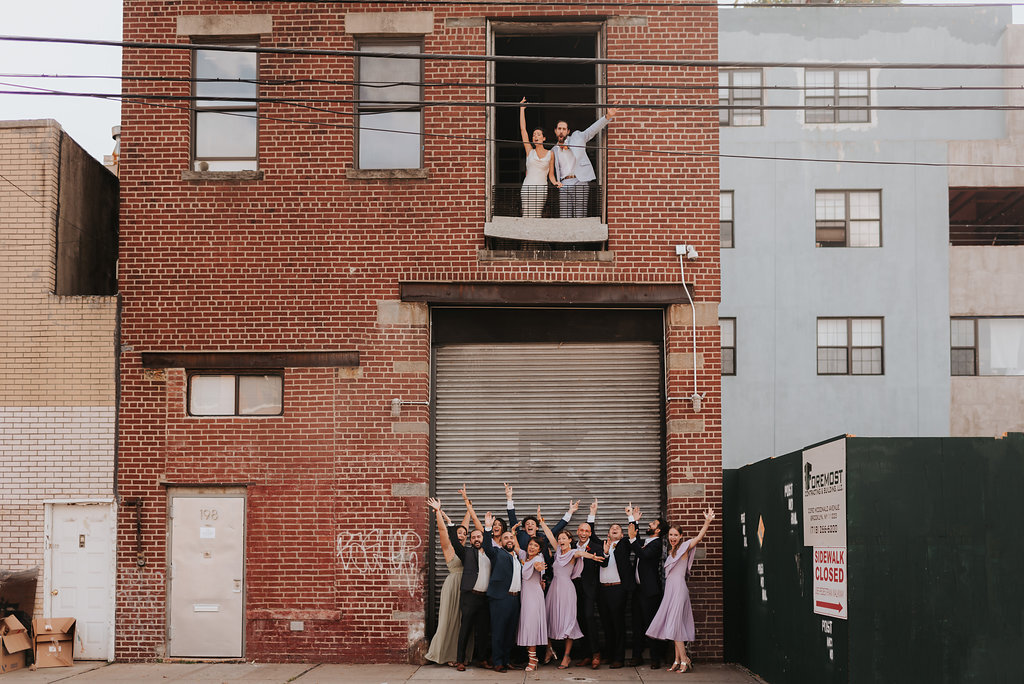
(673, 667)
(531, 664)
(686, 666)
(566, 661)
(549, 656)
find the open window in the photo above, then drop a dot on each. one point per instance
(986, 216)
(554, 91)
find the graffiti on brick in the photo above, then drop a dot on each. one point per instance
(383, 553)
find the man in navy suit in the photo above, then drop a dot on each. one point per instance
(473, 602)
(586, 591)
(530, 530)
(647, 595)
(503, 590)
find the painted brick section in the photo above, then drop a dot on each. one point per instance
(309, 259)
(57, 359)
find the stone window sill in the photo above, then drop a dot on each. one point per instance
(604, 256)
(388, 174)
(221, 176)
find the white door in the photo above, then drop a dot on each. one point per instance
(206, 592)
(81, 577)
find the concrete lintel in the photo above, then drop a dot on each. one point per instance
(225, 25)
(679, 315)
(465, 22)
(685, 426)
(390, 23)
(406, 616)
(685, 491)
(627, 21)
(350, 372)
(684, 361)
(547, 229)
(417, 367)
(408, 314)
(411, 428)
(409, 489)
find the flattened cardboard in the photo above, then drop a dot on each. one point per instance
(55, 642)
(14, 644)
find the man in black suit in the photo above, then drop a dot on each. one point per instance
(503, 590)
(531, 530)
(473, 605)
(615, 578)
(647, 594)
(586, 591)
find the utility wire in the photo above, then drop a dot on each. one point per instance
(516, 59)
(612, 3)
(492, 84)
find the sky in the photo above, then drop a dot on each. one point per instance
(87, 120)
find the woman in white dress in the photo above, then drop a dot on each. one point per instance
(540, 168)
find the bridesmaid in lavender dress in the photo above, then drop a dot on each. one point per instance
(533, 628)
(561, 598)
(674, 619)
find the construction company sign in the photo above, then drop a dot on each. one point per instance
(824, 504)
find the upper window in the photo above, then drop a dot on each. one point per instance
(740, 97)
(986, 346)
(235, 395)
(844, 218)
(389, 116)
(850, 346)
(727, 332)
(225, 119)
(836, 96)
(725, 222)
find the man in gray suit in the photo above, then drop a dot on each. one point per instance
(573, 167)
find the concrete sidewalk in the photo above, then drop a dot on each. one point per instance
(306, 673)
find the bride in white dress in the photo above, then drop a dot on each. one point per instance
(540, 168)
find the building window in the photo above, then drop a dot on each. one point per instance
(739, 89)
(225, 130)
(987, 346)
(844, 218)
(235, 395)
(725, 219)
(836, 96)
(850, 346)
(727, 332)
(389, 115)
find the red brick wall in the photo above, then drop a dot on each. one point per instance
(300, 260)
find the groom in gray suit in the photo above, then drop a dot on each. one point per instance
(573, 167)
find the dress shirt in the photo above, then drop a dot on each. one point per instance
(483, 575)
(610, 574)
(517, 575)
(566, 161)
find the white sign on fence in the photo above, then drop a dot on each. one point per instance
(824, 484)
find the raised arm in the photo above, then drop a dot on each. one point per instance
(510, 506)
(560, 525)
(547, 531)
(522, 126)
(709, 515)
(442, 531)
(469, 510)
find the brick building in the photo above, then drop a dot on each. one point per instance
(332, 308)
(58, 372)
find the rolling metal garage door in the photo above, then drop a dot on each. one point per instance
(557, 421)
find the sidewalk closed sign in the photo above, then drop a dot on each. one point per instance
(824, 504)
(830, 581)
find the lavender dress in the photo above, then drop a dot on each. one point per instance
(674, 619)
(533, 628)
(561, 598)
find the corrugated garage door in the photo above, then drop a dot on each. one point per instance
(578, 420)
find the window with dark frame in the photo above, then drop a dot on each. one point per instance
(235, 394)
(986, 345)
(848, 218)
(837, 96)
(850, 346)
(740, 97)
(389, 115)
(725, 219)
(225, 123)
(727, 333)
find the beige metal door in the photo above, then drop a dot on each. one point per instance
(206, 571)
(80, 578)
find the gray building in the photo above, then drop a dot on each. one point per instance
(837, 248)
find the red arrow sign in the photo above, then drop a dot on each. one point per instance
(838, 607)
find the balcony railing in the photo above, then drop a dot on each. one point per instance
(547, 201)
(962, 235)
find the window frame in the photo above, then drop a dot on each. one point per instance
(849, 344)
(238, 107)
(731, 101)
(847, 221)
(836, 109)
(361, 42)
(189, 374)
(731, 221)
(975, 370)
(977, 349)
(723, 347)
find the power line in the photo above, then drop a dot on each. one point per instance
(527, 59)
(497, 84)
(613, 3)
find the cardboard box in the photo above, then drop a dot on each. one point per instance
(55, 642)
(14, 644)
